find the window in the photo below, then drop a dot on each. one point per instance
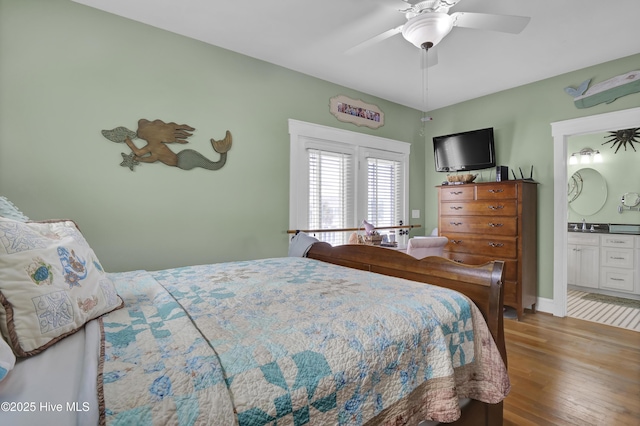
(339, 178)
(330, 188)
(384, 191)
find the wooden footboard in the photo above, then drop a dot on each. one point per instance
(482, 284)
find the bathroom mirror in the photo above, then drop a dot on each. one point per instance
(574, 187)
(587, 191)
(631, 199)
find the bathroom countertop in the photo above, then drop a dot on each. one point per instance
(604, 228)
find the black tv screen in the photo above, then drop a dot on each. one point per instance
(472, 150)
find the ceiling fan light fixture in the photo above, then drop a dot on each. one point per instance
(427, 28)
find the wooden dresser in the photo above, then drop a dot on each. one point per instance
(495, 221)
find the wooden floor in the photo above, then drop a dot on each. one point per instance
(566, 371)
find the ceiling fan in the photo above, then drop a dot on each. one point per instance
(428, 22)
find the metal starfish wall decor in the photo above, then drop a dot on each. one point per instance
(622, 138)
(158, 134)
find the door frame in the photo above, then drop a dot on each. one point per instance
(561, 131)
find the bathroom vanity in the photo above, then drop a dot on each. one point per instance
(604, 258)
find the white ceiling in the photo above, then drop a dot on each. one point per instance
(312, 36)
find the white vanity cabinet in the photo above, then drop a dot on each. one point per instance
(609, 263)
(617, 261)
(583, 260)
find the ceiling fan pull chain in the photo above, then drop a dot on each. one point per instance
(425, 85)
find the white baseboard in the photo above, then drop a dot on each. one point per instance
(546, 305)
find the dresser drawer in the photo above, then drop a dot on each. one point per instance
(485, 245)
(489, 225)
(457, 192)
(616, 257)
(484, 208)
(510, 265)
(616, 279)
(496, 192)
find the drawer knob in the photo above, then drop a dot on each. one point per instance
(455, 207)
(495, 225)
(455, 223)
(496, 244)
(458, 260)
(617, 258)
(455, 241)
(455, 192)
(616, 279)
(495, 191)
(496, 207)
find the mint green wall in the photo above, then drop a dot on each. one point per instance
(621, 174)
(521, 119)
(68, 71)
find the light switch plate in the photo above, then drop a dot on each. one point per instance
(415, 214)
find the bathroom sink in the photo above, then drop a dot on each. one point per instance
(598, 228)
(604, 228)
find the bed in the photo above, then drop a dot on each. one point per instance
(345, 335)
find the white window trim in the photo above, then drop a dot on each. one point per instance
(302, 134)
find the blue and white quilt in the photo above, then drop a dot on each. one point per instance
(289, 341)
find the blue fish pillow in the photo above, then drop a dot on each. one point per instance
(51, 284)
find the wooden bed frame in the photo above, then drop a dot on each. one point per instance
(482, 284)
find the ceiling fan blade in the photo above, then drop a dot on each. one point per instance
(373, 40)
(486, 21)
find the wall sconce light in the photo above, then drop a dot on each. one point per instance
(587, 155)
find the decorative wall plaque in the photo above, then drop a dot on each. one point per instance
(606, 91)
(356, 112)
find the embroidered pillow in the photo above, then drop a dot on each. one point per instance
(51, 284)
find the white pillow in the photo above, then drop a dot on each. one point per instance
(7, 359)
(51, 284)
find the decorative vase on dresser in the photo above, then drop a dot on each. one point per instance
(495, 221)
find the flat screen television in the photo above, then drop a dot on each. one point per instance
(472, 150)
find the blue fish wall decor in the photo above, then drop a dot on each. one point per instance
(606, 91)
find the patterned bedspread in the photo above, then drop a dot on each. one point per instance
(289, 341)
